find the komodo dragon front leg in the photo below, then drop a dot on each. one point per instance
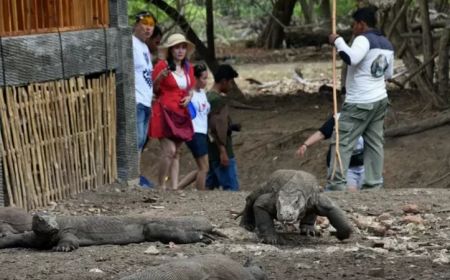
(326, 207)
(265, 212)
(307, 225)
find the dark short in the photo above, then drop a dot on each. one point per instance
(198, 145)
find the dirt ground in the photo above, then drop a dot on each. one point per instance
(389, 242)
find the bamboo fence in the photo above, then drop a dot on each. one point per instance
(58, 138)
(21, 17)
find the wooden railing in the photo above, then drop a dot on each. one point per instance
(21, 17)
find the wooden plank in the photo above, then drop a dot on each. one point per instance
(2, 19)
(15, 15)
(58, 134)
(19, 143)
(62, 89)
(30, 148)
(27, 170)
(75, 133)
(91, 132)
(8, 16)
(41, 166)
(49, 95)
(84, 156)
(8, 166)
(15, 162)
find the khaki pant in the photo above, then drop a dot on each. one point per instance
(355, 120)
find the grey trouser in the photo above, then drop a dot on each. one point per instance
(355, 120)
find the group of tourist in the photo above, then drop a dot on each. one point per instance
(173, 101)
(174, 107)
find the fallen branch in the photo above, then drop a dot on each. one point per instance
(438, 179)
(239, 105)
(419, 126)
(280, 140)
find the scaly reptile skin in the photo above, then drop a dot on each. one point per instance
(67, 233)
(14, 220)
(204, 267)
(292, 196)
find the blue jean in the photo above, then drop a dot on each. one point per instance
(143, 114)
(225, 176)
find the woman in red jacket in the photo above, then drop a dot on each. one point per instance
(173, 78)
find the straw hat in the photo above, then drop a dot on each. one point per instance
(173, 40)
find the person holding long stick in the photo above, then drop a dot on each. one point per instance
(370, 61)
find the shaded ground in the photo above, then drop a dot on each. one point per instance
(267, 142)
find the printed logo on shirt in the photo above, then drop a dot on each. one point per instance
(147, 74)
(379, 66)
(202, 107)
(147, 59)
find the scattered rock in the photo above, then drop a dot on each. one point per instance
(303, 266)
(384, 216)
(415, 219)
(376, 272)
(152, 251)
(443, 257)
(411, 209)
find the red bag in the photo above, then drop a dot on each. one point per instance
(176, 126)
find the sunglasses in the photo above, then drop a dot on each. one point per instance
(147, 20)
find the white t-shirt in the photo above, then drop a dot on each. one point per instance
(180, 79)
(370, 61)
(202, 108)
(143, 68)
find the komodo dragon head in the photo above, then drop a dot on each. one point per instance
(45, 224)
(255, 269)
(290, 204)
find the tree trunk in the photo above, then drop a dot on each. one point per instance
(201, 49)
(273, 34)
(325, 8)
(427, 39)
(210, 29)
(443, 76)
(419, 126)
(308, 10)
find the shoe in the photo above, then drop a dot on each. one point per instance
(145, 183)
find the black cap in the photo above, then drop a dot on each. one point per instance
(143, 14)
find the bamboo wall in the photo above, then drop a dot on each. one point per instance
(21, 17)
(59, 138)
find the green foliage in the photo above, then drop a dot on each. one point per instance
(224, 11)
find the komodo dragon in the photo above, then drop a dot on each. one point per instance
(291, 196)
(204, 267)
(14, 220)
(67, 233)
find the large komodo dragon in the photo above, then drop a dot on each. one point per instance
(67, 233)
(291, 196)
(204, 267)
(14, 220)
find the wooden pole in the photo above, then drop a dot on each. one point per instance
(335, 111)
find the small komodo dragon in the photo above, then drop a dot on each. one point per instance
(67, 233)
(211, 267)
(14, 220)
(291, 196)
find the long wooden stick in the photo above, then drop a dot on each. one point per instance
(336, 123)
